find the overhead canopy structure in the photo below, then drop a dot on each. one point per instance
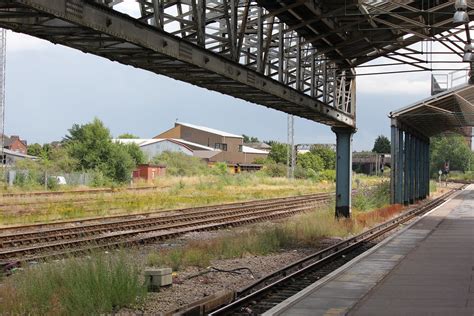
(353, 32)
(301, 57)
(449, 111)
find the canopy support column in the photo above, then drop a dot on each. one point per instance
(343, 171)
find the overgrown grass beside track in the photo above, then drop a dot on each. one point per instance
(75, 286)
(105, 283)
(172, 193)
(304, 230)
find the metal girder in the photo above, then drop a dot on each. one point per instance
(295, 56)
(226, 40)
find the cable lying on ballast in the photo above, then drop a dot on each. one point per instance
(214, 269)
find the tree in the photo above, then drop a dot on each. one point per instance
(250, 139)
(128, 136)
(327, 154)
(278, 152)
(449, 148)
(60, 160)
(180, 164)
(135, 152)
(381, 145)
(119, 164)
(91, 145)
(310, 161)
(35, 150)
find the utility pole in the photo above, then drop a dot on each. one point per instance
(291, 159)
(3, 55)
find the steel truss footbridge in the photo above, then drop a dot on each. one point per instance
(299, 57)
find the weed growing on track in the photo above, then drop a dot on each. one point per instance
(74, 286)
(305, 230)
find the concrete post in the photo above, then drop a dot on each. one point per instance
(343, 170)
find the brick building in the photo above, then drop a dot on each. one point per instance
(148, 172)
(226, 147)
(15, 144)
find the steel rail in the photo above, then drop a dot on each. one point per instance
(85, 191)
(5, 230)
(159, 232)
(285, 280)
(134, 223)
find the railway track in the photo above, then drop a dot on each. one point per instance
(274, 288)
(16, 229)
(40, 241)
(85, 191)
(26, 202)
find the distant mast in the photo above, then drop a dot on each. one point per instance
(3, 55)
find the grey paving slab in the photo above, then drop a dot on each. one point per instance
(424, 270)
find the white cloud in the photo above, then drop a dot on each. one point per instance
(22, 42)
(129, 7)
(394, 84)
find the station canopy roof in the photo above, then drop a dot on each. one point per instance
(448, 111)
(354, 32)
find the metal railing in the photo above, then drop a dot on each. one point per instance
(442, 82)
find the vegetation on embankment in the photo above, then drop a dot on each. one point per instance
(104, 283)
(305, 230)
(75, 286)
(172, 193)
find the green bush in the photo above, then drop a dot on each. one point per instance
(274, 170)
(28, 179)
(327, 175)
(178, 164)
(92, 147)
(100, 180)
(366, 199)
(52, 183)
(310, 161)
(220, 168)
(300, 172)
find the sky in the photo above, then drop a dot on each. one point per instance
(51, 87)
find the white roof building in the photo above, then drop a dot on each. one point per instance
(210, 130)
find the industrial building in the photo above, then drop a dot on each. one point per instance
(221, 146)
(206, 143)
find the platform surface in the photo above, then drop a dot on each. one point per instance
(426, 269)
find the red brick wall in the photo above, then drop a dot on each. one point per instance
(18, 146)
(148, 173)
